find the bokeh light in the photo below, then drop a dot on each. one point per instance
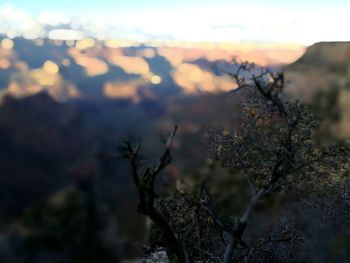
(50, 67)
(7, 43)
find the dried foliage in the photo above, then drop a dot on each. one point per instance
(274, 145)
(281, 244)
(274, 148)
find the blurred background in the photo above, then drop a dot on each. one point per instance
(79, 77)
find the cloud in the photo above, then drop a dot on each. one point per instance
(220, 24)
(13, 19)
(54, 18)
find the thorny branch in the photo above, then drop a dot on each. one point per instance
(147, 195)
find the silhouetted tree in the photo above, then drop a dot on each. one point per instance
(275, 150)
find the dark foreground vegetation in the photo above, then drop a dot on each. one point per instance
(293, 206)
(248, 176)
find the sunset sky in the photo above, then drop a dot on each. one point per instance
(274, 21)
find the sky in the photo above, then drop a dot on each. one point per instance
(80, 6)
(281, 21)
